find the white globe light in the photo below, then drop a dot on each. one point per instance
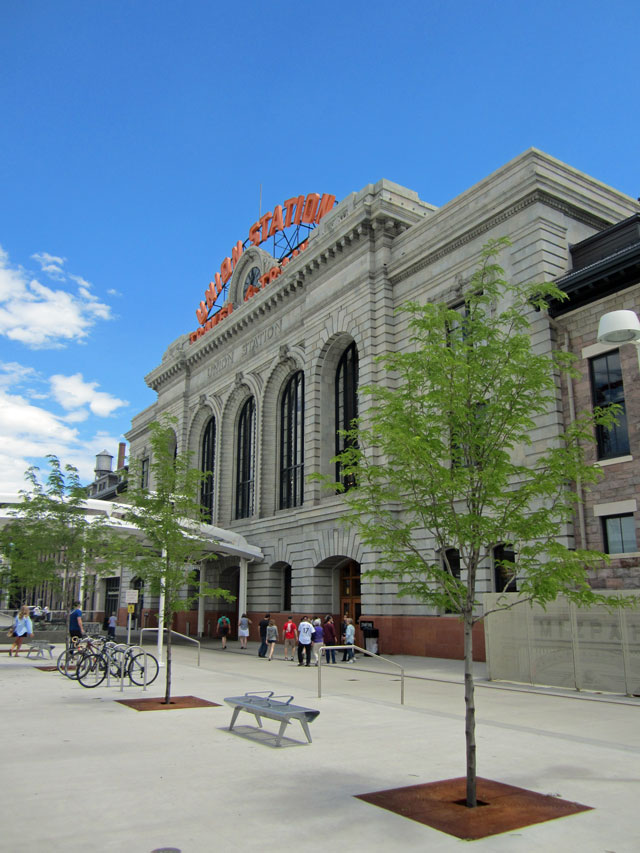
(619, 327)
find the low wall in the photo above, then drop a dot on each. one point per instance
(564, 645)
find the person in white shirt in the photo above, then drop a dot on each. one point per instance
(305, 640)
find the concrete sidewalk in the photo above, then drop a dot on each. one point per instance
(82, 771)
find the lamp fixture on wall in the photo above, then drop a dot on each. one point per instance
(619, 327)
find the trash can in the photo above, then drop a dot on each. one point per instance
(371, 637)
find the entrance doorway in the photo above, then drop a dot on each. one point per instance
(350, 600)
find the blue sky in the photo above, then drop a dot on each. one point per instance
(135, 137)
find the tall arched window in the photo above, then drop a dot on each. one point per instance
(292, 443)
(346, 403)
(207, 464)
(245, 456)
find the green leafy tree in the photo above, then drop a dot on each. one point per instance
(53, 537)
(443, 459)
(168, 516)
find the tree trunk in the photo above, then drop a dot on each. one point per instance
(470, 710)
(167, 691)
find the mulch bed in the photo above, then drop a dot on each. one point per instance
(47, 668)
(441, 805)
(157, 703)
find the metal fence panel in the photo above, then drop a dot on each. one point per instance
(563, 645)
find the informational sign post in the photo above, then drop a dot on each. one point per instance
(131, 598)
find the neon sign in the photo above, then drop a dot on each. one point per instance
(300, 210)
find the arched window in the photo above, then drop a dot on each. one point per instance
(292, 443)
(245, 456)
(346, 403)
(207, 463)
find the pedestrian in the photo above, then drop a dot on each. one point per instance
(343, 638)
(22, 627)
(46, 613)
(305, 640)
(223, 629)
(263, 625)
(330, 638)
(243, 630)
(349, 637)
(272, 637)
(290, 637)
(318, 639)
(111, 626)
(76, 628)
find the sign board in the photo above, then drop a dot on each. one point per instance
(131, 608)
(132, 596)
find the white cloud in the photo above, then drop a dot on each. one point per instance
(29, 432)
(44, 317)
(73, 394)
(51, 265)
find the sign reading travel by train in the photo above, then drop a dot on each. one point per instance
(296, 211)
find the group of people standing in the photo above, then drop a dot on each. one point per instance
(303, 639)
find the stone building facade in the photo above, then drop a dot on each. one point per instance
(258, 394)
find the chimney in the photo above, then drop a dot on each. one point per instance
(122, 449)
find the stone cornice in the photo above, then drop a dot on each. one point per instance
(535, 197)
(298, 274)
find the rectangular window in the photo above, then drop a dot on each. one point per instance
(619, 532)
(607, 389)
(144, 474)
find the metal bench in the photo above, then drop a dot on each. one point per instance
(40, 647)
(263, 703)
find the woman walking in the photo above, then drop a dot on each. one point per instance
(243, 630)
(272, 637)
(22, 627)
(349, 638)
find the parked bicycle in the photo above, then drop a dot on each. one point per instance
(140, 667)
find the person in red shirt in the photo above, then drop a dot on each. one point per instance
(290, 638)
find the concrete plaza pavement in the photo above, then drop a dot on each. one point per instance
(82, 772)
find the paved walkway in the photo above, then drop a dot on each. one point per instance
(81, 771)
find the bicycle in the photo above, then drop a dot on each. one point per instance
(68, 660)
(140, 667)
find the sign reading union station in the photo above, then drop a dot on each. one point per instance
(300, 210)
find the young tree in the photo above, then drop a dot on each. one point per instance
(53, 536)
(439, 461)
(168, 517)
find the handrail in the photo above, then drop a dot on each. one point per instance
(176, 633)
(364, 651)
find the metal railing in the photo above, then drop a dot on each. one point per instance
(175, 634)
(323, 648)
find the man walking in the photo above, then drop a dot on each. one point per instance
(263, 624)
(76, 628)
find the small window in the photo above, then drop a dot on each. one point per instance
(607, 389)
(451, 560)
(144, 474)
(619, 532)
(504, 575)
